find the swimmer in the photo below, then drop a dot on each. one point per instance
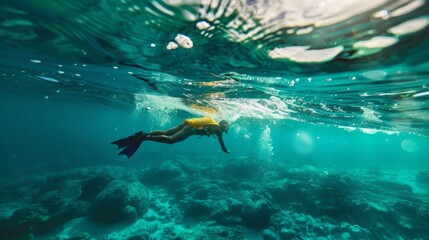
(204, 126)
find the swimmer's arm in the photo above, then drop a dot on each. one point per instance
(222, 144)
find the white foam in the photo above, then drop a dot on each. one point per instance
(368, 130)
(162, 9)
(317, 55)
(202, 25)
(408, 8)
(376, 42)
(172, 45)
(370, 114)
(422, 94)
(184, 41)
(286, 52)
(304, 31)
(383, 14)
(375, 75)
(410, 26)
(49, 79)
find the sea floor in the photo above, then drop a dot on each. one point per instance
(211, 198)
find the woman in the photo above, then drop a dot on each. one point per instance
(192, 126)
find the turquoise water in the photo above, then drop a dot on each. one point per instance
(327, 100)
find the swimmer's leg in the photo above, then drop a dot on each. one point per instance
(168, 132)
(179, 136)
(130, 144)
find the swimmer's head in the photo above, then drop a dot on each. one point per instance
(224, 125)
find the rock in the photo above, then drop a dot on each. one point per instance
(142, 236)
(268, 234)
(160, 175)
(257, 214)
(33, 215)
(199, 208)
(82, 236)
(393, 186)
(203, 190)
(357, 232)
(24, 222)
(225, 214)
(235, 206)
(286, 234)
(345, 236)
(301, 219)
(202, 231)
(278, 191)
(151, 216)
(120, 202)
(92, 186)
(242, 168)
(423, 178)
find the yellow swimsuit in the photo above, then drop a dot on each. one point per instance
(200, 123)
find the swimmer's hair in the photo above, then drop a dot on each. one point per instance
(224, 125)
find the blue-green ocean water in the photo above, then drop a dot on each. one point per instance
(314, 91)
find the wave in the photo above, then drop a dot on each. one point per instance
(352, 64)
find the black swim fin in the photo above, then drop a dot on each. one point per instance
(130, 144)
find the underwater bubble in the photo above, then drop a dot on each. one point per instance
(303, 143)
(266, 144)
(409, 145)
(115, 67)
(35, 61)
